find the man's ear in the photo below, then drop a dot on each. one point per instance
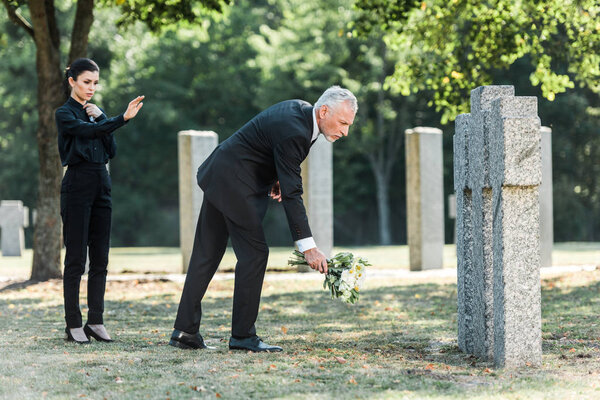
(323, 111)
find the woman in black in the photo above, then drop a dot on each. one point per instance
(86, 142)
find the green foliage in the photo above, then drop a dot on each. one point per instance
(450, 47)
(381, 14)
(157, 14)
(18, 116)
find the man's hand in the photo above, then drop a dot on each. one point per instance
(276, 192)
(316, 260)
(92, 110)
(132, 109)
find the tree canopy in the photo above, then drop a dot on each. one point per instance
(451, 47)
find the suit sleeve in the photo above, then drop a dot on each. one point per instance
(288, 156)
(68, 124)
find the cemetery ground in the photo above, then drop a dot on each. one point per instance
(398, 341)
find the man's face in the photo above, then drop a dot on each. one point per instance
(335, 122)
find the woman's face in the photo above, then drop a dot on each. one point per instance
(85, 86)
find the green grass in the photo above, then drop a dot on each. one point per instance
(398, 342)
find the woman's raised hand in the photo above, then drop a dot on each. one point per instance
(134, 106)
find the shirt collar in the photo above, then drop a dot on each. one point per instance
(74, 103)
(315, 132)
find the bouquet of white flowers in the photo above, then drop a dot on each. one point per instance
(345, 274)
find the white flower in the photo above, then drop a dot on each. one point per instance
(347, 276)
(344, 286)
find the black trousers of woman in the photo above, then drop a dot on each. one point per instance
(86, 208)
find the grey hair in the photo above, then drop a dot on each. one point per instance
(335, 96)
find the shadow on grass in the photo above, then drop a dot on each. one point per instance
(18, 285)
(407, 332)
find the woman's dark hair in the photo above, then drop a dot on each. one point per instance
(76, 68)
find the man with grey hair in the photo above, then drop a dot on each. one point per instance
(259, 161)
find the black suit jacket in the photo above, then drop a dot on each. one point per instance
(238, 175)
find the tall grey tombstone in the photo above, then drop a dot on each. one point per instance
(425, 198)
(474, 222)
(317, 182)
(13, 218)
(497, 172)
(193, 148)
(546, 201)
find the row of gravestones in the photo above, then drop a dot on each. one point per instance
(425, 208)
(425, 205)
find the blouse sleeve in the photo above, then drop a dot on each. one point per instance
(68, 124)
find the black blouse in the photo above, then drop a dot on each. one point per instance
(81, 140)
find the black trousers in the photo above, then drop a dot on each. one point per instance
(86, 207)
(250, 247)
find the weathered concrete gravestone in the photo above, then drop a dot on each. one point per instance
(317, 182)
(13, 218)
(425, 198)
(546, 201)
(193, 148)
(497, 166)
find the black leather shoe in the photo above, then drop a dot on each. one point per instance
(90, 332)
(187, 341)
(253, 343)
(70, 338)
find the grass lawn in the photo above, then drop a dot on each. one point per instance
(398, 342)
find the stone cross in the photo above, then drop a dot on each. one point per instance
(546, 201)
(13, 218)
(317, 183)
(193, 148)
(425, 198)
(497, 174)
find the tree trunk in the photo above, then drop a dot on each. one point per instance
(84, 18)
(383, 206)
(47, 233)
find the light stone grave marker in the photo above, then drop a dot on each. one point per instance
(193, 148)
(452, 214)
(13, 218)
(317, 183)
(546, 201)
(425, 198)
